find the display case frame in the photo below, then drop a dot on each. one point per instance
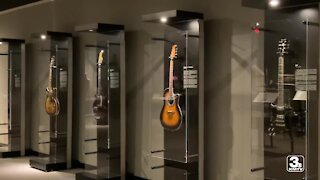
(13, 130)
(271, 153)
(53, 133)
(181, 149)
(104, 136)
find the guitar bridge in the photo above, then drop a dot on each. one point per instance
(170, 112)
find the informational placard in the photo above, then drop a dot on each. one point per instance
(63, 78)
(114, 79)
(190, 77)
(17, 81)
(306, 79)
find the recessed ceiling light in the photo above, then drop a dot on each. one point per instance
(43, 37)
(163, 20)
(274, 3)
(90, 30)
(1, 43)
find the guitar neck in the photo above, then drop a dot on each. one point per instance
(281, 81)
(50, 77)
(171, 77)
(99, 89)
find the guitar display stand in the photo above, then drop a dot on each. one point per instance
(53, 134)
(103, 47)
(180, 149)
(12, 98)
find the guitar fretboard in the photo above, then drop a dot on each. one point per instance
(281, 81)
(99, 89)
(171, 77)
(50, 73)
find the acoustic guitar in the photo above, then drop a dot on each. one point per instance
(100, 104)
(52, 105)
(171, 114)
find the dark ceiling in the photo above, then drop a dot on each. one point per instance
(8, 4)
(262, 4)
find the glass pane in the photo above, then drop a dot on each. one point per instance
(4, 96)
(102, 128)
(179, 77)
(51, 130)
(10, 97)
(285, 94)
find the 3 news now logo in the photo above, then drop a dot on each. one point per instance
(295, 163)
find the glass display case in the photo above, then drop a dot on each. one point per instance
(103, 100)
(12, 97)
(52, 100)
(177, 87)
(285, 95)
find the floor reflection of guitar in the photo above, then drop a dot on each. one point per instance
(278, 121)
(100, 104)
(52, 105)
(171, 114)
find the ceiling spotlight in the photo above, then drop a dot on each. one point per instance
(1, 43)
(43, 37)
(91, 30)
(163, 20)
(274, 3)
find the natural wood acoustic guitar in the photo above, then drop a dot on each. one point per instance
(52, 105)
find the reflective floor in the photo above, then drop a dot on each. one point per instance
(18, 168)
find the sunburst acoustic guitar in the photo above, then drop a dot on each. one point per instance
(52, 105)
(100, 104)
(171, 114)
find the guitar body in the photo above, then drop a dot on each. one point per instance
(278, 121)
(52, 105)
(100, 107)
(171, 114)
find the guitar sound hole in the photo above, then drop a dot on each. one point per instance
(171, 101)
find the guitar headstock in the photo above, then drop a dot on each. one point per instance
(174, 51)
(283, 46)
(52, 61)
(100, 59)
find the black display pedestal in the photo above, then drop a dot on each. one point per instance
(10, 154)
(47, 165)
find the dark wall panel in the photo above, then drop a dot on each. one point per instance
(262, 4)
(8, 4)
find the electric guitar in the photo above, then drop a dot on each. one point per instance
(278, 121)
(171, 114)
(100, 104)
(52, 105)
